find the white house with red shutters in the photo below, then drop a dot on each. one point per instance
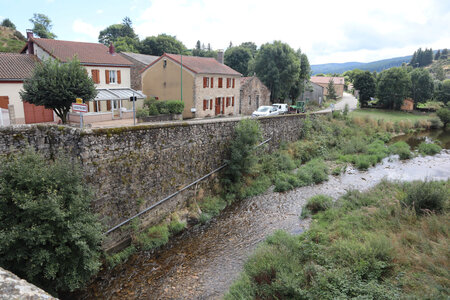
(109, 71)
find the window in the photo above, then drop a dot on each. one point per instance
(205, 104)
(111, 76)
(228, 82)
(250, 100)
(212, 82)
(220, 82)
(205, 82)
(228, 101)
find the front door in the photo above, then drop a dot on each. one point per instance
(217, 107)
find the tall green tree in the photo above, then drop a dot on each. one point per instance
(331, 90)
(442, 93)
(238, 58)
(278, 67)
(439, 72)
(124, 33)
(42, 26)
(444, 54)
(56, 85)
(422, 58)
(7, 23)
(421, 85)
(202, 51)
(366, 85)
(437, 55)
(251, 47)
(393, 86)
(303, 76)
(48, 234)
(163, 43)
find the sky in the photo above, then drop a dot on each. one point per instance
(328, 31)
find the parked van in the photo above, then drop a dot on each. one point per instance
(282, 108)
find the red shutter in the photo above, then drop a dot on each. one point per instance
(233, 83)
(108, 105)
(232, 98)
(228, 101)
(210, 104)
(204, 82)
(205, 103)
(119, 79)
(212, 82)
(94, 79)
(220, 82)
(107, 76)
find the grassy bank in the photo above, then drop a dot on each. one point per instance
(389, 243)
(390, 115)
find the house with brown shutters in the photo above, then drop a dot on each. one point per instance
(14, 69)
(109, 71)
(206, 86)
(253, 94)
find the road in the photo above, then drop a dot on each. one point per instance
(346, 99)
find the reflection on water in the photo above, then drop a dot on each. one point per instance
(203, 262)
(439, 136)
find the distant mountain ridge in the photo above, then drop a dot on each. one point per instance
(378, 65)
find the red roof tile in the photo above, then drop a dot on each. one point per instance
(87, 53)
(16, 66)
(322, 80)
(200, 65)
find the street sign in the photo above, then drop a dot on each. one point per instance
(133, 98)
(79, 101)
(79, 107)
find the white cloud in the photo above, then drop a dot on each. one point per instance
(327, 29)
(84, 28)
(99, 11)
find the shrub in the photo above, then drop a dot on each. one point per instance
(284, 162)
(436, 123)
(48, 234)
(318, 203)
(162, 107)
(429, 148)
(153, 237)
(336, 114)
(153, 110)
(120, 257)
(212, 205)
(354, 145)
(346, 109)
(402, 149)
(426, 195)
(142, 113)
(149, 101)
(175, 226)
(285, 182)
(256, 186)
(175, 106)
(314, 171)
(364, 161)
(444, 115)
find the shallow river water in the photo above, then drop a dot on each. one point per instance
(204, 261)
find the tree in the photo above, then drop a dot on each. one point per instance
(443, 92)
(365, 83)
(201, 51)
(42, 26)
(305, 70)
(278, 67)
(421, 85)
(48, 235)
(422, 58)
(114, 32)
(56, 85)
(163, 43)
(250, 46)
(437, 55)
(439, 72)
(393, 87)
(444, 115)
(444, 54)
(238, 58)
(331, 90)
(7, 23)
(126, 44)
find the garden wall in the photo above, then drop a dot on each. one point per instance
(131, 168)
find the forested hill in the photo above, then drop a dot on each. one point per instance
(378, 65)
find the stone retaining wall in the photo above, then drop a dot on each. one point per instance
(131, 168)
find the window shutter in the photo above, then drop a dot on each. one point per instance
(107, 76)
(233, 83)
(210, 104)
(204, 102)
(212, 82)
(220, 82)
(119, 79)
(108, 105)
(94, 79)
(232, 98)
(204, 82)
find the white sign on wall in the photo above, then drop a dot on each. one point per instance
(79, 107)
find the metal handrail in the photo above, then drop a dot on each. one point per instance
(174, 194)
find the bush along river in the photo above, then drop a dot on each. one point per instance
(202, 262)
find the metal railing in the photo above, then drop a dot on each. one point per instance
(174, 194)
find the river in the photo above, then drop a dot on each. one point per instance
(203, 261)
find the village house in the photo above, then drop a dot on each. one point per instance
(139, 61)
(206, 86)
(14, 69)
(109, 71)
(253, 94)
(312, 92)
(324, 81)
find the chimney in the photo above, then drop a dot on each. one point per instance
(220, 56)
(30, 42)
(112, 51)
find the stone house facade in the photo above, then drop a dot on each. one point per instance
(139, 61)
(253, 94)
(324, 81)
(207, 87)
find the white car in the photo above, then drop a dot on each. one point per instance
(282, 107)
(264, 111)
